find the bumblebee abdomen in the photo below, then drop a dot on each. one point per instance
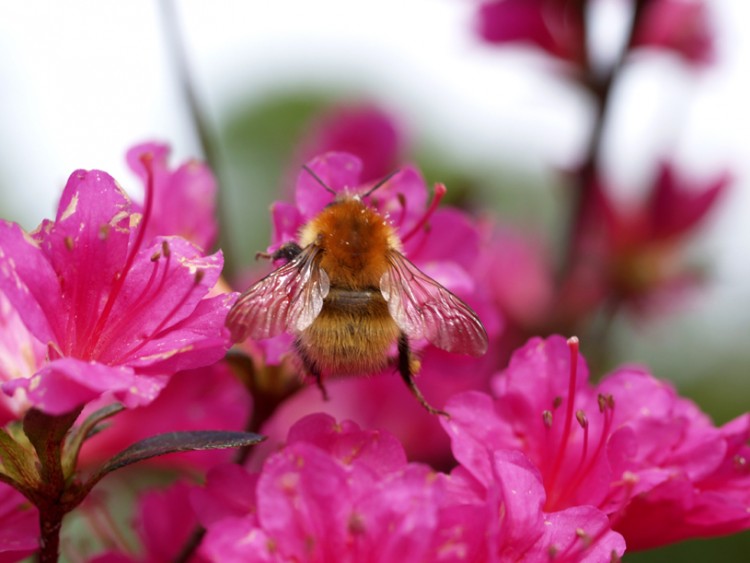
(354, 333)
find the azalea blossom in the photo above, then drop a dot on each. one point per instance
(680, 26)
(555, 26)
(184, 199)
(363, 130)
(117, 312)
(629, 444)
(209, 397)
(19, 526)
(163, 523)
(632, 253)
(336, 492)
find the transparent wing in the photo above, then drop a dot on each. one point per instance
(423, 308)
(286, 300)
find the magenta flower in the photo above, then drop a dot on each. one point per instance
(633, 254)
(364, 131)
(680, 26)
(629, 443)
(210, 397)
(555, 26)
(184, 199)
(19, 526)
(164, 522)
(336, 492)
(117, 313)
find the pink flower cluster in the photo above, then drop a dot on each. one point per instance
(545, 466)
(336, 492)
(550, 467)
(117, 311)
(558, 27)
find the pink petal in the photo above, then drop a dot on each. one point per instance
(229, 493)
(364, 131)
(30, 284)
(238, 540)
(676, 208)
(580, 533)
(64, 384)
(337, 170)
(158, 304)
(200, 399)
(19, 526)
(303, 505)
(378, 451)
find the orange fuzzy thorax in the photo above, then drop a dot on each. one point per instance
(355, 240)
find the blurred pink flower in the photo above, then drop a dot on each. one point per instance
(556, 26)
(336, 492)
(19, 526)
(681, 26)
(632, 254)
(164, 522)
(207, 398)
(364, 131)
(184, 199)
(116, 315)
(629, 443)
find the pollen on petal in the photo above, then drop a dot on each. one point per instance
(71, 208)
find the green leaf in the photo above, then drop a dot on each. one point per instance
(18, 467)
(173, 442)
(80, 434)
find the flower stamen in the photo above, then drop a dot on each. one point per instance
(440, 191)
(93, 337)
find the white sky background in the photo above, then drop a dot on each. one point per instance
(82, 80)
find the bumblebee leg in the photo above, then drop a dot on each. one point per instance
(310, 368)
(405, 368)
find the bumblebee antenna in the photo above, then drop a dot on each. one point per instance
(307, 169)
(383, 181)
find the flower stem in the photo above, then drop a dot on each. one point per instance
(600, 88)
(203, 130)
(50, 523)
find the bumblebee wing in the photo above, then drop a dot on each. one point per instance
(423, 308)
(286, 300)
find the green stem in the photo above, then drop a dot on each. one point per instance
(201, 124)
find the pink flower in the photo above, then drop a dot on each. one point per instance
(21, 355)
(629, 444)
(364, 131)
(164, 522)
(116, 315)
(336, 492)
(633, 254)
(184, 199)
(556, 26)
(692, 479)
(210, 397)
(681, 26)
(19, 526)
